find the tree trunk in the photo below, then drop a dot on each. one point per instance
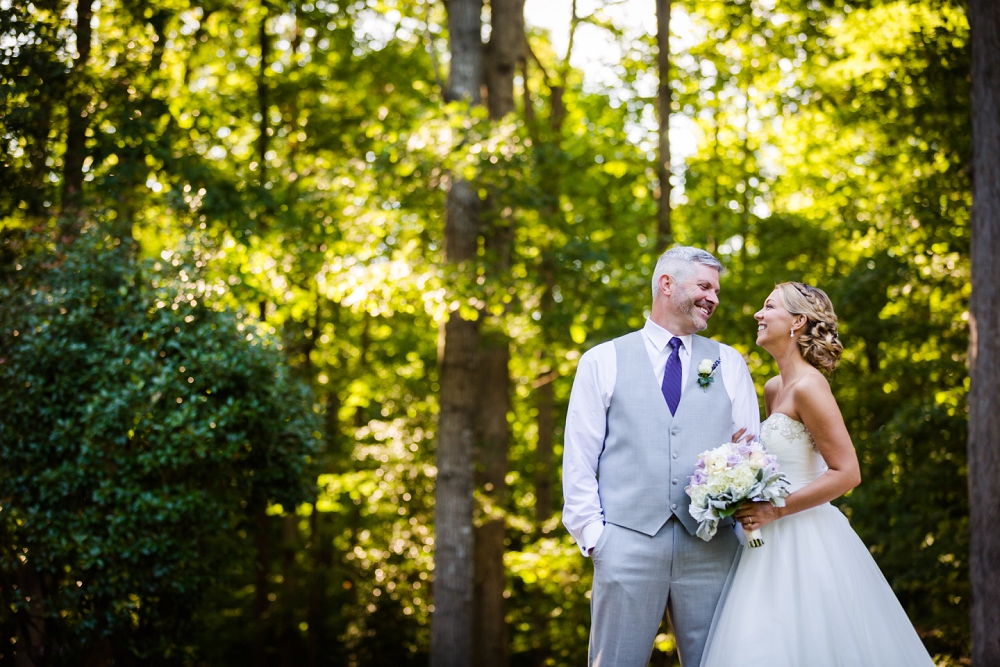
(100, 654)
(131, 172)
(322, 556)
(263, 100)
(39, 153)
(464, 28)
(489, 624)
(289, 628)
(545, 403)
(664, 233)
(716, 230)
(984, 343)
(528, 101)
(364, 344)
(77, 124)
(451, 624)
(745, 214)
(502, 55)
(258, 645)
(31, 636)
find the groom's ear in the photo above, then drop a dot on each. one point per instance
(666, 285)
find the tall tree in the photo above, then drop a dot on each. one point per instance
(489, 617)
(984, 406)
(664, 234)
(502, 55)
(263, 102)
(451, 625)
(545, 404)
(78, 121)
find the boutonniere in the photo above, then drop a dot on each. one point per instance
(706, 372)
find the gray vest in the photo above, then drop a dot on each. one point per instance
(649, 454)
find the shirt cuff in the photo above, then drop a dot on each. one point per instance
(591, 534)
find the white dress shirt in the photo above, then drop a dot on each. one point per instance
(587, 419)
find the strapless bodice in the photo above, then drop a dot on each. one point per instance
(791, 442)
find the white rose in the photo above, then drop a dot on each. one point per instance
(715, 465)
(757, 459)
(705, 367)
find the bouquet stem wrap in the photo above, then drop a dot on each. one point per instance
(754, 539)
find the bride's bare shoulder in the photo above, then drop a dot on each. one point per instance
(814, 380)
(772, 388)
(812, 390)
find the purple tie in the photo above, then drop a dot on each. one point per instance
(672, 376)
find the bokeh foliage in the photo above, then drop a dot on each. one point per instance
(292, 157)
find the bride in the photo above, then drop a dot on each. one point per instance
(811, 596)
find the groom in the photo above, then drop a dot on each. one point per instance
(640, 412)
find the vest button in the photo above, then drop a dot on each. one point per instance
(674, 455)
(675, 481)
(674, 506)
(673, 432)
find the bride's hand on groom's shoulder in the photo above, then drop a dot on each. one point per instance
(739, 435)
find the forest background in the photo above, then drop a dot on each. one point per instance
(226, 272)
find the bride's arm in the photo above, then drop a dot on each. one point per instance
(819, 412)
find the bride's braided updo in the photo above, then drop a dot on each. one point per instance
(818, 340)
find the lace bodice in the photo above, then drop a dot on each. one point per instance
(792, 443)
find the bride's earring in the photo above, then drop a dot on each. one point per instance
(792, 334)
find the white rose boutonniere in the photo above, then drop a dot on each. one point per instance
(706, 372)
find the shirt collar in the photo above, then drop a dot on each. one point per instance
(660, 336)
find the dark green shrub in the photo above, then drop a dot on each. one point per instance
(139, 430)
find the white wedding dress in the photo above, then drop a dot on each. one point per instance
(811, 596)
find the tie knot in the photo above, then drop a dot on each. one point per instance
(675, 343)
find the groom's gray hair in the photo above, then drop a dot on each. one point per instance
(678, 263)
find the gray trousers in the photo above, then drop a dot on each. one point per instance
(636, 576)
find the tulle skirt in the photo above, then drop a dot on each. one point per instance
(811, 597)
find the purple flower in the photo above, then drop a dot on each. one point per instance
(699, 478)
(734, 458)
(745, 449)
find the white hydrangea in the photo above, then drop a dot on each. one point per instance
(699, 495)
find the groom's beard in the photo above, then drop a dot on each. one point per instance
(690, 308)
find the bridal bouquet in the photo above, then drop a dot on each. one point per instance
(728, 476)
